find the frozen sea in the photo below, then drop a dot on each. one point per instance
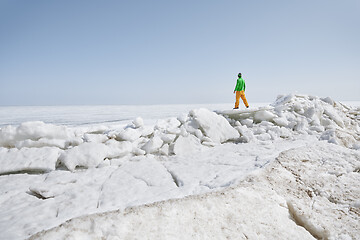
(99, 114)
(106, 114)
(274, 171)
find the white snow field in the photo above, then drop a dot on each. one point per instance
(289, 170)
(97, 115)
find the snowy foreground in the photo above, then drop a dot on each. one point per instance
(290, 170)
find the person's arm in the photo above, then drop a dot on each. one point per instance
(237, 85)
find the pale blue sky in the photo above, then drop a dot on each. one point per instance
(164, 52)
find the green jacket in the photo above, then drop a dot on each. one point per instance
(240, 85)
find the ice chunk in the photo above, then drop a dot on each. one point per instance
(317, 128)
(198, 134)
(326, 122)
(153, 145)
(301, 124)
(214, 126)
(183, 118)
(191, 126)
(264, 137)
(85, 155)
(331, 113)
(99, 138)
(28, 159)
(10, 135)
(281, 121)
(246, 134)
(167, 124)
(247, 122)
(266, 124)
(146, 131)
(138, 151)
(138, 122)
(186, 145)
(264, 115)
(258, 130)
(167, 137)
(129, 134)
(118, 149)
(328, 100)
(42, 142)
(164, 150)
(310, 112)
(182, 131)
(283, 99)
(328, 135)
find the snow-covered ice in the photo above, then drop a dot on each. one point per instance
(294, 197)
(285, 170)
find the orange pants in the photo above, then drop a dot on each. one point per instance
(242, 95)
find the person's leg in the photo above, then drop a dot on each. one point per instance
(237, 99)
(242, 94)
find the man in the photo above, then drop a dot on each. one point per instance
(240, 92)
